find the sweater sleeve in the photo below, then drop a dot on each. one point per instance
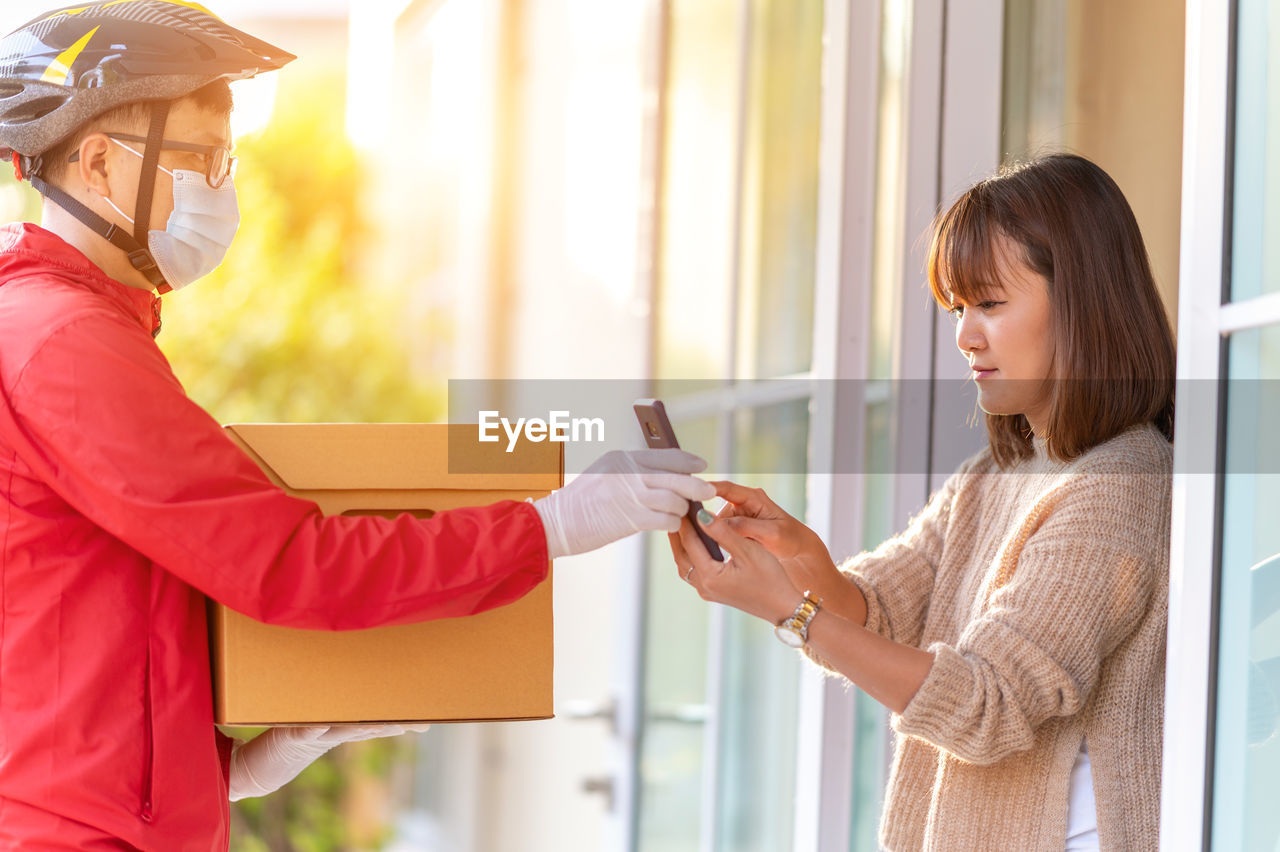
(897, 577)
(1082, 582)
(98, 415)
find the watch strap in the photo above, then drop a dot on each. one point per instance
(799, 621)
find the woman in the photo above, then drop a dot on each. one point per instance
(1017, 627)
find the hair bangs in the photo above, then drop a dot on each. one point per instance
(1067, 221)
(965, 259)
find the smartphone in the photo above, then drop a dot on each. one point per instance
(659, 435)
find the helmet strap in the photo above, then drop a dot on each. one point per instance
(147, 177)
(135, 247)
(139, 256)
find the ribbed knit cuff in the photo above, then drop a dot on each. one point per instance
(931, 714)
(875, 616)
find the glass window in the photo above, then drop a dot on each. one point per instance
(696, 250)
(780, 189)
(870, 757)
(760, 676)
(1247, 744)
(1246, 751)
(888, 224)
(1256, 191)
(736, 264)
(674, 693)
(870, 717)
(1035, 77)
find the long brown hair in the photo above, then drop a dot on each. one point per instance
(1114, 353)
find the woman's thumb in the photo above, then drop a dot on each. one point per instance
(765, 532)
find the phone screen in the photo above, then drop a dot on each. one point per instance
(658, 435)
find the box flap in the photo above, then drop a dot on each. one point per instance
(392, 456)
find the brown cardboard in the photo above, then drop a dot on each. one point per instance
(496, 665)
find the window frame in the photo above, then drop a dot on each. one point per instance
(1207, 319)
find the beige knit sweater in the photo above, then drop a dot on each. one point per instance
(1042, 592)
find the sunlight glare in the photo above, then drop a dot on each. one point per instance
(603, 118)
(11, 202)
(456, 93)
(255, 100)
(371, 34)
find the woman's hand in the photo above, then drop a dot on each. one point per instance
(799, 550)
(750, 578)
(753, 580)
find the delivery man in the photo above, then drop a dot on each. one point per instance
(122, 505)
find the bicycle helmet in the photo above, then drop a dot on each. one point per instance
(67, 66)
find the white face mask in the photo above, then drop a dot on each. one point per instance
(200, 228)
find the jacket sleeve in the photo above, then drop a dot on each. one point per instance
(1086, 578)
(101, 418)
(225, 746)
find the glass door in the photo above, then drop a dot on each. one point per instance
(734, 252)
(1222, 749)
(1246, 735)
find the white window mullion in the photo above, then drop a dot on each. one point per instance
(1194, 512)
(914, 316)
(846, 205)
(624, 829)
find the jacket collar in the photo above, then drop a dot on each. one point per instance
(25, 247)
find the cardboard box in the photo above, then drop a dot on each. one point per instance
(496, 665)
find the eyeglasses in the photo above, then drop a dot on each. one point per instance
(218, 162)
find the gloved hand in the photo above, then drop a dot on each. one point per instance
(270, 760)
(619, 494)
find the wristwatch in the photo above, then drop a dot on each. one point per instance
(794, 630)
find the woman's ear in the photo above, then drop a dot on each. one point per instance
(94, 164)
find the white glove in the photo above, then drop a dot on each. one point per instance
(270, 760)
(619, 494)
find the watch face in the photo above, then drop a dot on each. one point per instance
(788, 636)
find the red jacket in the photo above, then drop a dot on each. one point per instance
(122, 505)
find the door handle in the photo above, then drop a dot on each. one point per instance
(584, 709)
(685, 714)
(600, 785)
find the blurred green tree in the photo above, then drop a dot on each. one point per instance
(286, 329)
